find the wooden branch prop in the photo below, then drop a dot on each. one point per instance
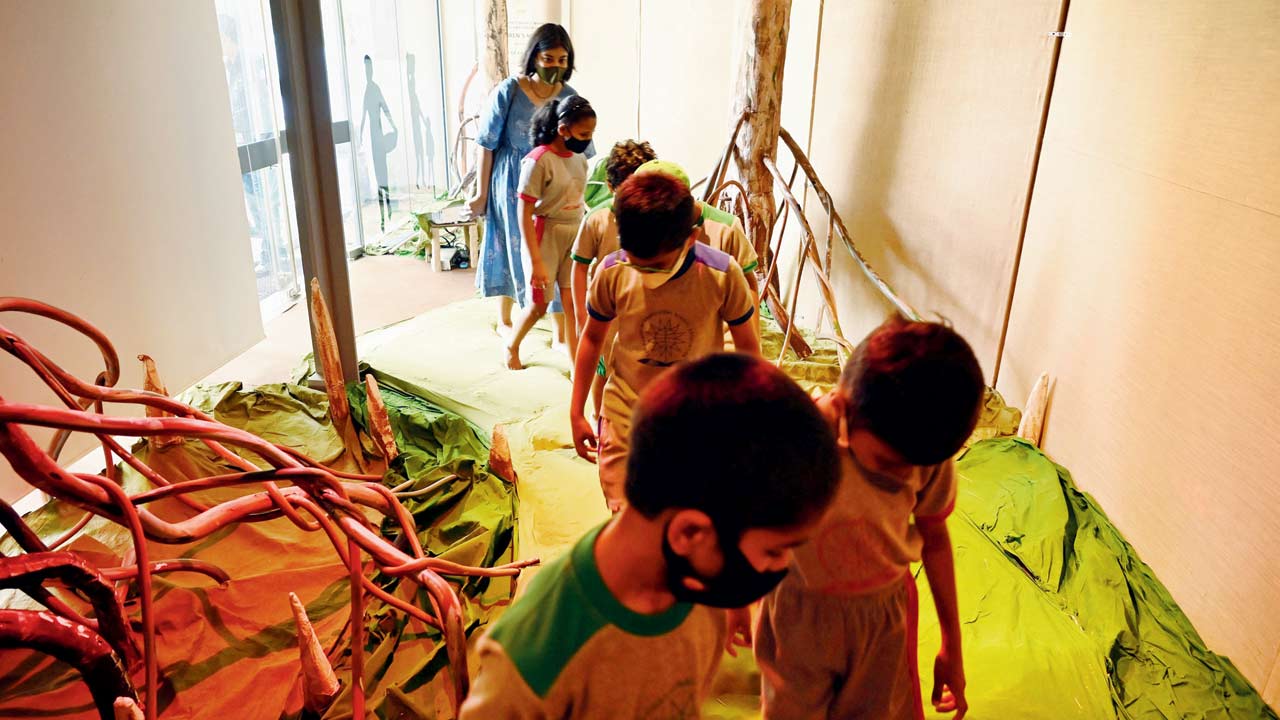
(717, 176)
(151, 382)
(331, 370)
(73, 644)
(320, 685)
(1031, 428)
(316, 499)
(797, 343)
(811, 176)
(500, 462)
(494, 64)
(759, 97)
(380, 423)
(807, 246)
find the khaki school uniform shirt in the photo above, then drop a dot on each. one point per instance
(677, 319)
(597, 238)
(869, 538)
(723, 231)
(569, 649)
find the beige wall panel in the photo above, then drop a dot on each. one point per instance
(797, 80)
(1147, 287)
(121, 197)
(925, 128)
(606, 38)
(688, 60)
(665, 71)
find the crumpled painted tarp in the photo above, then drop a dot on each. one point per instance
(1060, 618)
(231, 651)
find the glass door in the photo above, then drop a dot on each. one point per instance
(249, 56)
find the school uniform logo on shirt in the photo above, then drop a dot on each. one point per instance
(667, 339)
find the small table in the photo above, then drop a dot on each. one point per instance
(458, 216)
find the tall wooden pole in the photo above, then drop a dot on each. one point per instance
(759, 95)
(492, 46)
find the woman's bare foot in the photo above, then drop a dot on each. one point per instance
(513, 358)
(504, 332)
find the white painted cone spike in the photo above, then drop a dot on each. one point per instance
(127, 709)
(1032, 426)
(319, 684)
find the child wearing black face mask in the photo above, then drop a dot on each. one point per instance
(552, 178)
(624, 626)
(908, 399)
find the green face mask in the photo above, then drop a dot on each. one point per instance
(550, 75)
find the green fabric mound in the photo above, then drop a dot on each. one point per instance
(1155, 663)
(1060, 618)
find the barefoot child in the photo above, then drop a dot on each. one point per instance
(623, 625)
(907, 400)
(552, 177)
(598, 238)
(668, 296)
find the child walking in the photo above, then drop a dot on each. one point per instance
(907, 400)
(552, 178)
(598, 238)
(624, 625)
(719, 229)
(669, 296)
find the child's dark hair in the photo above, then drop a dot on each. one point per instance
(735, 437)
(624, 158)
(654, 212)
(916, 386)
(548, 36)
(546, 122)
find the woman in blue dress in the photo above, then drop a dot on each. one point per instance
(503, 138)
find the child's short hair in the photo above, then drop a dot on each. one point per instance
(733, 436)
(624, 158)
(655, 214)
(916, 386)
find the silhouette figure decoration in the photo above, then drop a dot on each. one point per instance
(424, 151)
(380, 144)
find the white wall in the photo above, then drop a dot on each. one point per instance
(1149, 286)
(659, 70)
(121, 197)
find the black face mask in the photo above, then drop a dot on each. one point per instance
(738, 584)
(575, 145)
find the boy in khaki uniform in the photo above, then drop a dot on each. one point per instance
(668, 297)
(719, 229)
(837, 638)
(598, 239)
(625, 625)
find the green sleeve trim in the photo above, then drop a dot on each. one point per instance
(580, 259)
(543, 630)
(751, 266)
(565, 606)
(715, 214)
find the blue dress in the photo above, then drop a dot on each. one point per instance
(504, 130)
